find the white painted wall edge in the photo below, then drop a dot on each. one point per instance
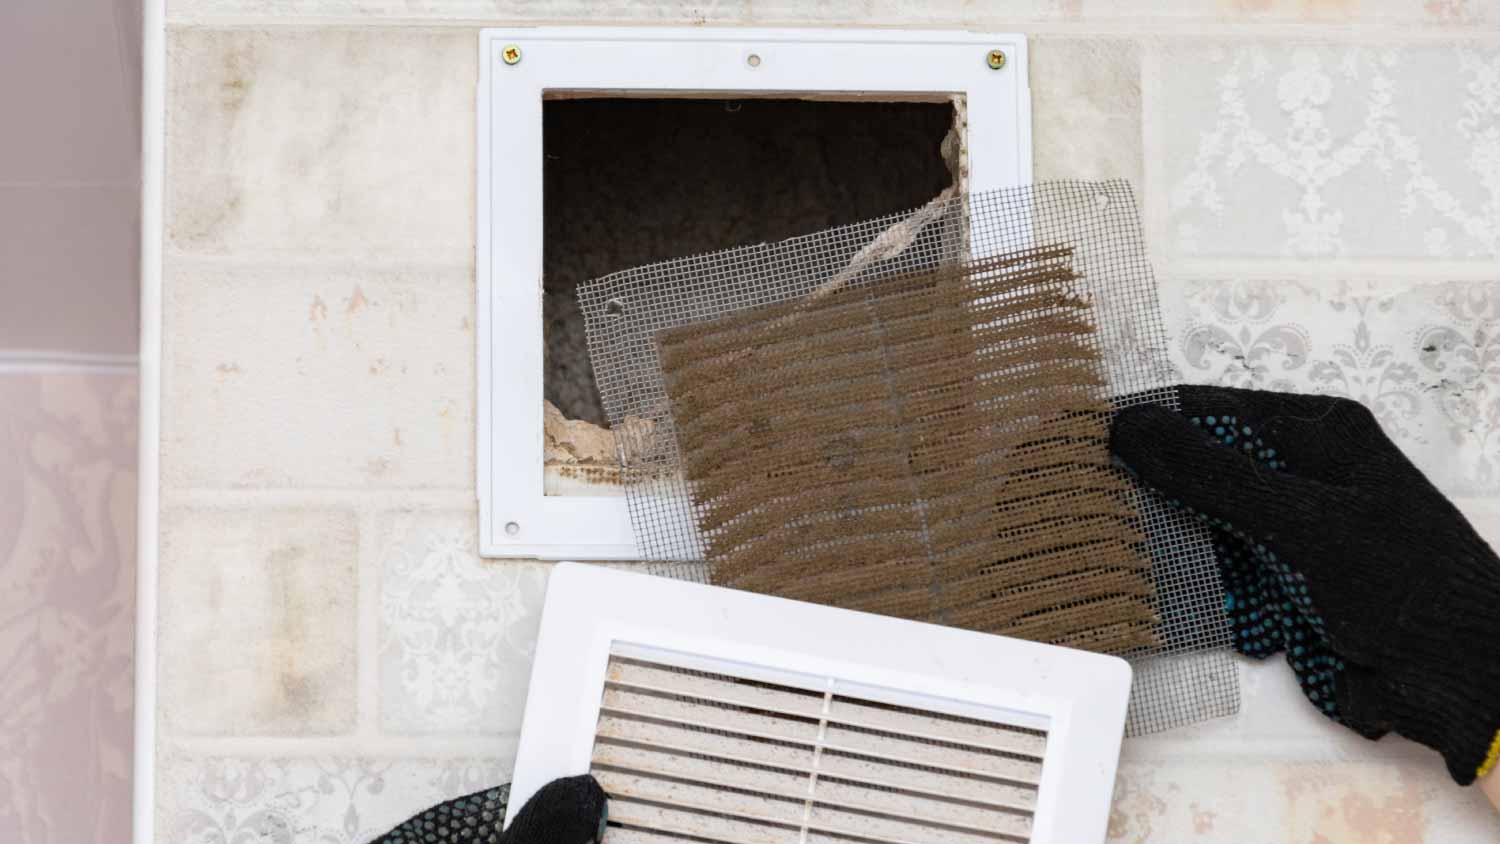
(153, 143)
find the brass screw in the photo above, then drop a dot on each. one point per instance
(511, 54)
(995, 59)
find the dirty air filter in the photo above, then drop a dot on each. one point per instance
(931, 447)
(868, 415)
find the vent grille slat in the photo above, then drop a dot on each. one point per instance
(824, 819)
(686, 795)
(710, 716)
(936, 756)
(690, 756)
(631, 835)
(707, 771)
(935, 783)
(702, 687)
(830, 792)
(1024, 743)
(645, 816)
(915, 807)
(670, 738)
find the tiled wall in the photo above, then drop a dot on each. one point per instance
(1321, 184)
(67, 605)
(69, 245)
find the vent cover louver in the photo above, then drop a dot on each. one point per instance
(714, 716)
(689, 756)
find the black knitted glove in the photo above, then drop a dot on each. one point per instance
(572, 810)
(1336, 549)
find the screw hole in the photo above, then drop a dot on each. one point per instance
(753, 60)
(615, 308)
(511, 528)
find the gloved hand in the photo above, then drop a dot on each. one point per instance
(571, 810)
(1334, 548)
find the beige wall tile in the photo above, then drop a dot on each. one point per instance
(321, 142)
(1187, 800)
(303, 377)
(257, 623)
(1359, 803)
(1086, 109)
(1257, 799)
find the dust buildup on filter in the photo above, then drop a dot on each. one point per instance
(1189, 673)
(931, 446)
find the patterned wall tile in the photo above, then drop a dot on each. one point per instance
(1425, 359)
(1287, 149)
(457, 633)
(67, 606)
(323, 800)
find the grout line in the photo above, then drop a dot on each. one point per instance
(458, 258)
(1288, 749)
(415, 747)
(1154, 189)
(1184, 28)
(367, 641)
(7, 368)
(407, 500)
(22, 361)
(1412, 270)
(69, 184)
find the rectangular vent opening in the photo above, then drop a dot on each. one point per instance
(688, 755)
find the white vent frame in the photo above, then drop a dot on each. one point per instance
(879, 65)
(593, 612)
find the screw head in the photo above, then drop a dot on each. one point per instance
(995, 59)
(510, 54)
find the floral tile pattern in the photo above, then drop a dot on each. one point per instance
(218, 800)
(1299, 150)
(456, 633)
(1425, 359)
(67, 606)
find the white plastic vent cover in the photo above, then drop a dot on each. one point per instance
(518, 68)
(743, 719)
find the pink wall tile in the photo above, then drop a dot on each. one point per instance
(67, 606)
(69, 175)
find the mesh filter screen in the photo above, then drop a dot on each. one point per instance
(1187, 674)
(932, 447)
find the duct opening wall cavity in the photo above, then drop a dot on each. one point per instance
(632, 181)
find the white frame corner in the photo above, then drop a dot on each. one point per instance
(1079, 698)
(888, 64)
